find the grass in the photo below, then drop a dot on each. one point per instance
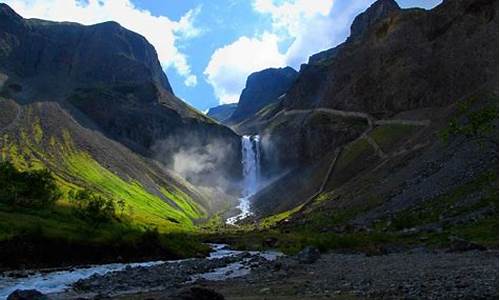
(274, 219)
(184, 202)
(59, 226)
(353, 151)
(387, 135)
(484, 232)
(148, 209)
(316, 228)
(170, 210)
(449, 204)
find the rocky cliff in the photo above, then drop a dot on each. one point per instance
(377, 127)
(108, 77)
(262, 89)
(395, 60)
(222, 112)
(97, 89)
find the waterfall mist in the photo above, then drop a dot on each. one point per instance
(208, 165)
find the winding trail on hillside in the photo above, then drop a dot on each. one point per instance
(371, 124)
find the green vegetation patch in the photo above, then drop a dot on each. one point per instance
(471, 121)
(386, 136)
(146, 208)
(449, 204)
(184, 202)
(351, 152)
(274, 219)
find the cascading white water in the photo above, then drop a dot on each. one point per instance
(250, 152)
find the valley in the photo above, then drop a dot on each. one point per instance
(370, 173)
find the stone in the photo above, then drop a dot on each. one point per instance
(461, 245)
(309, 255)
(270, 242)
(27, 295)
(198, 293)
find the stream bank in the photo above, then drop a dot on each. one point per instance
(418, 273)
(113, 280)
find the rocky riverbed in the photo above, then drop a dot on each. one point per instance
(418, 274)
(415, 274)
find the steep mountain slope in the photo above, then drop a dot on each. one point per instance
(394, 132)
(262, 89)
(409, 59)
(92, 104)
(222, 112)
(110, 75)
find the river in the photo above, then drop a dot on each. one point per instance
(61, 281)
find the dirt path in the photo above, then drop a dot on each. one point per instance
(371, 123)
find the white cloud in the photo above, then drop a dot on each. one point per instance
(229, 66)
(160, 31)
(313, 25)
(308, 26)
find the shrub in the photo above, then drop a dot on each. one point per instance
(471, 123)
(27, 189)
(93, 207)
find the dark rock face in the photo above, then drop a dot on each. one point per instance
(109, 78)
(396, 60)
(27, 295)
(263, 88)
(222, 112)
(405, 59)
(379, 10)
(198, 293)
(66, 55)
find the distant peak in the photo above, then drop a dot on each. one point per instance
(7, 11)
(380, 9)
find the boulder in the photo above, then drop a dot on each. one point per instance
(27, 295)
(461, 245)
(198, 293)
(270, 242)
(309, 255)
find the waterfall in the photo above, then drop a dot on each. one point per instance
(250, 153)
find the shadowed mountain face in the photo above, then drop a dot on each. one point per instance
(406, 59)
(222, 112)
(395, 60)
(262, 88)
(110, 79)
(386, 102)
(105, 115)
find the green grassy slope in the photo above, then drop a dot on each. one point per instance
(43, 136)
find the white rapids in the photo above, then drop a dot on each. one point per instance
(250, 152)
(54, 282)
(58, 281)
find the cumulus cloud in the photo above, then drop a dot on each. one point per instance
(229, 66)
(160, 31)
(305, 26)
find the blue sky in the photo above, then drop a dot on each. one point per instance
(209, 47)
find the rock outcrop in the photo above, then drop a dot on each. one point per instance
(395, 60)
(262, 88)
(222, 112)
(99, 90)
(360, 97)
(110, 80)
(398, 60)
